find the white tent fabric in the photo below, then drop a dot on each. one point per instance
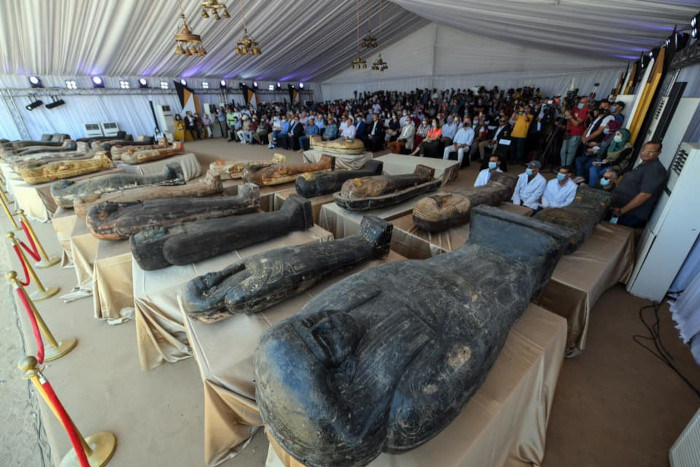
(441, 57)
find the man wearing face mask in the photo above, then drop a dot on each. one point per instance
(462, 142)
(594, 132)
(500, 134)
(530, 186)
(485, 175)
(560, 191)
(607, 181)
(616, 111)
(575, 119)
(449, 130)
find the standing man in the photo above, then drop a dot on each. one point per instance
(530, 186)
(518, 136)
(485, 175)
(462, 142)
(575, 121)
(231, 121)
(560, 191)
(635, 197)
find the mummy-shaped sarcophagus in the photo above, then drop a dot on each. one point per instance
(117, 221)
(142, 156)
(285, 173)
(385, 359)
(323, 183)
(231, 170)
(117, 151)
(446, 209)
(67, 191)
(263, 280)
(338, 146)
(384, 190)
(59, 170)
(159, 247)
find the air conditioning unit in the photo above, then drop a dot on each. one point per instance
(165, 119)
(93, 130)
(110, 128)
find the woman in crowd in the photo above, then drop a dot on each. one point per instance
(421, 132)
(618, 157)
(179, 128)
(393, 128)
(431, 142)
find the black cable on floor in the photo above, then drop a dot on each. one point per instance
(659, 351)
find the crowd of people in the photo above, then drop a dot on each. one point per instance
(583, 136)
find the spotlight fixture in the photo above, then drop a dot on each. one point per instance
(71, 84)
(33, 104)
(35, 82)
(255, 84)
(222, 84)
(188, 43)
(246, 45)
(271, 87)
(379, 64)
(143, 83)
(183, 82)
(214, 6)
(164, 85)
(97, 82)
(279, 85)
(55, 103)
(694, 33)
(301, 85)
(241, 85)
(124, 85)
(651, 54)
(694, 26)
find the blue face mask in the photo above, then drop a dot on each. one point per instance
(613, 109)
(528, 172)
(604, 182)
(606, 131)
(581, 106)
(492, 165)
(617, 139)
(561, 176)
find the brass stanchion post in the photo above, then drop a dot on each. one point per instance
(56, 349)
(7, 211)
(99, 448)
(41, 293)
(45, 262)
(3, 195)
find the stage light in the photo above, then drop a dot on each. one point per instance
(668, 42)
(271, 87)
(183, 82)
(651, 54)
(241, 85)
(35, 82)
(694, 21)
(205, 85)
(71, 84)
(301, 85)
(694, 33)
(255, 84)
(279, 85)
(33, 105)
(164, 85)
(97, 82)
(143, 83)
(124, 84)
(222, 84)
(55, 103)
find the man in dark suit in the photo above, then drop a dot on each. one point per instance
(497, 141)
(360, 127)
(375, 134)
(290, 140)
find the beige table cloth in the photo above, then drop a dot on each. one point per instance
(63, 222)
(160, 333)
(579, 279)
(267, 194)
(191, 168)
(224, 352)
(113, 296)
(342, 161)
(398, 164)
(316, 202)
(505, 422)
(413, 243)
(83, 246)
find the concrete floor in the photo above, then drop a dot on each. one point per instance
(615, 404)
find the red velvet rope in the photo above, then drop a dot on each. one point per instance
(65, 421)
(33, 251)
(35, 327)
(24, 282)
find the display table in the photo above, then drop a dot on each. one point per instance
(191, 168)
(414, 243)
(397, 164)
(316, 202)
(343, 223)
(36, 200)
(579, 279)
(268, 193)
(63, 222)
(342, 161)
(113, 296)
(505, 422)
(83, 246)
(224, 353)
(160, 333)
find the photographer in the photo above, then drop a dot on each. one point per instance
(523, 118)
(575, 118)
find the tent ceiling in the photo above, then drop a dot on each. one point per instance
(301, 40)
(591, 28)
(306, 40)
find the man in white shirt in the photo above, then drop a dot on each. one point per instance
(462, 142)
(449, 130)
(485, 175)
(530, 186)
(560, 191)
(349, 130)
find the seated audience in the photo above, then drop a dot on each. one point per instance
(463, 140)
(349, 132)
(263, 130)
(560, 191)
(405, 138)
(493, 141)
(290, 139)
(283, 129)
(607, 181)
(530, 186)
(485, 175)
(421, 132)
(449, 130)
(431, 141)
(244, 129)
(311, 130)
(374, 139)
(393, 128)
(636, 195)
(617, 157)
(330, 131)
(616, 111)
